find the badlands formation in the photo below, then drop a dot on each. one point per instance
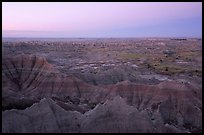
(37, 96)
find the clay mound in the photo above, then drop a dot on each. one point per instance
(43, 117)
(25, 71)
(176, 102)
(114, 116)
(28, 78)
(33, 78)
(20, 75)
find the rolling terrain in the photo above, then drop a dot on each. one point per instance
(102, 85)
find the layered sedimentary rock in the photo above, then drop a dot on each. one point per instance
(178, 104)
(44, 116)
(32, 78)
(166, 107)
(111, 117)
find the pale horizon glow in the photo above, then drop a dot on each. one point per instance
(102, 19)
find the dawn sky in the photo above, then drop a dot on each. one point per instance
(100, 19)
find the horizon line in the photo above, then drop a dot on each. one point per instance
(116, 37)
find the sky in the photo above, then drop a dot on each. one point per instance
(102, 19)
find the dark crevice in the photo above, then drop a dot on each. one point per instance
(32, 66)
(35, 76)
(77, 87)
